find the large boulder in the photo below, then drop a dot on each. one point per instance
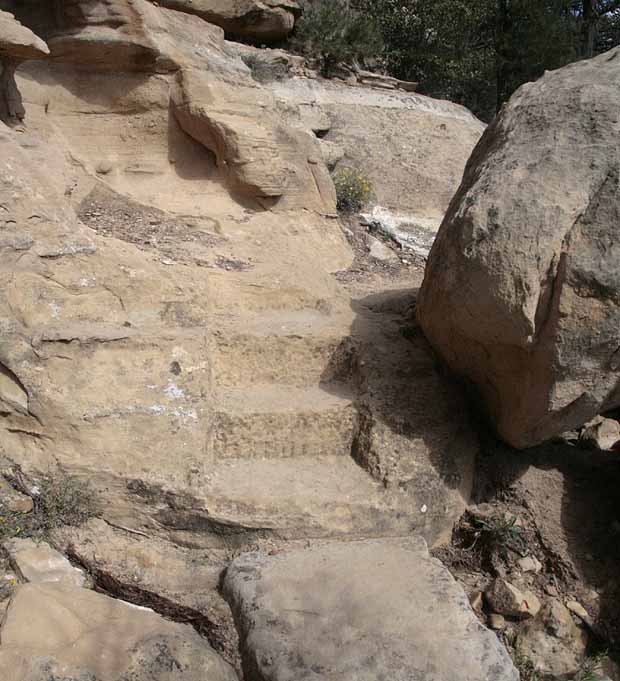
(522, 289)
(359, 611)
(255, 20)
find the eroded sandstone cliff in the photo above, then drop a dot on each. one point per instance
(182, 325)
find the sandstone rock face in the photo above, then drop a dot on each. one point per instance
(16, 44)
(359, 610)
(262, 21)
(117, 345)
(258, 152)
(180, 325)
(260, 156)
(108, 34)
(412, 148)
(19, 41)
(74, 634)
(521, 290)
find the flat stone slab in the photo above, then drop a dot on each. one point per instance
(359, 611)
(55, 631)
(38, 562)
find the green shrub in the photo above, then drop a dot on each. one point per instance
(353, 190)
(64, 500)
(526, 668)
(59, 500)
(331, 32)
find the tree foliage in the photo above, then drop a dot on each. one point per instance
(474, 52)
(477, 52)
(332, 32)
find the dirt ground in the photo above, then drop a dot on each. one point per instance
(558, 503)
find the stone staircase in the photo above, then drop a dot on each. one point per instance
(285, 424)
(327, 421)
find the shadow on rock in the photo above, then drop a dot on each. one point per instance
(413, 433)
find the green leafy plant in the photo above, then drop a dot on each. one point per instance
(332, 32)
(526, 668)
(503, 532)
(64, 500)
(590, 667)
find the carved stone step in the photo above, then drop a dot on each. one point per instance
(279, 421)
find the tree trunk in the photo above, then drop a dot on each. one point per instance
(501, 60)
(588, 29)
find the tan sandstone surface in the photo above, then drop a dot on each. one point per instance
(182, 325)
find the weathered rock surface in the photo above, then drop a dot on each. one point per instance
(177, 582)
(553, 641)
(214, 98)
(412, 148)
(260, 396)
(59, 631)
(259, 21)
(257, 153)
(12, 501)
(359, 611)
(173, 335)
(521, 290)
(184, 346)
(109, 35)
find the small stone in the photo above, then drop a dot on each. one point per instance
(104, 168)
(601, 433)
(507, 600)
(20, 503)
(476, 601)
(380, 251)
(551, 590)
(530, 564)
(577, 609)
(497, 622)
